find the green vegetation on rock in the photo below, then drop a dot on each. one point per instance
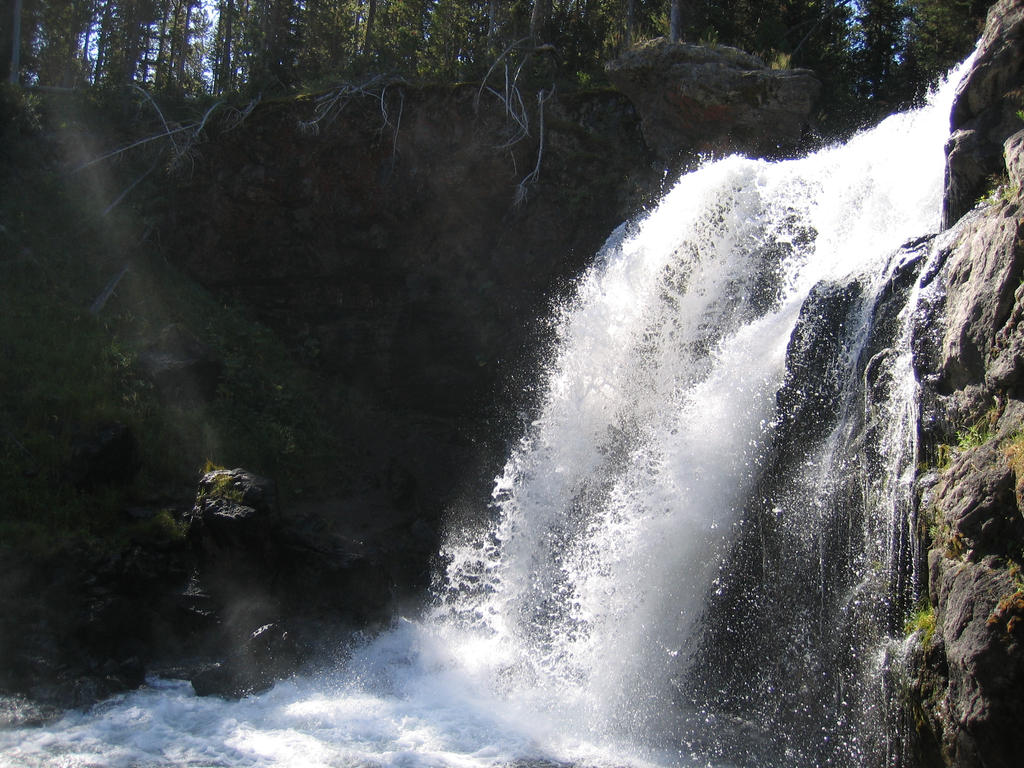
(922, 621)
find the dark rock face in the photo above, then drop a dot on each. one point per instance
(968, 673)
(796, 550)
(698, 99)
(384, 245)
(276, 582)
(985, 112)
(96, 620)
(401, 246)
(810, 399)
(406, 243)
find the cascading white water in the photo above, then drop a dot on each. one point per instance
(565, 621)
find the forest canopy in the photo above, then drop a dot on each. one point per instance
(883, 52)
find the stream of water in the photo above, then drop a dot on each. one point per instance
(589, 617)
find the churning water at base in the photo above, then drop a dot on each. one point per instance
(716, 485)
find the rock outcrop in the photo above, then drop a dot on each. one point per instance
(987, 110)
(696, 99)
(967, 659)
(280, 584)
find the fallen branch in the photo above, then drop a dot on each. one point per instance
(329, 105)
(97, 306)
(237, 116)
(130, 187)
(178, 151)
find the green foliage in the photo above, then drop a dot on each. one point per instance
(19, 112)
(872, 56)
(922, 621)
(974, 435)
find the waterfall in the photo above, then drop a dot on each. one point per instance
(696, 555)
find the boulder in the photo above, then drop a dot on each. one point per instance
(234, 507)
(696, 99)
(272, 582)
(269, 653)
(985, 111)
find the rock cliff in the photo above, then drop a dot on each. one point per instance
(398, 248)
(407, 243)
(967, 653)
(714, 100)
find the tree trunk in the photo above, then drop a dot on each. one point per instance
(102, 43)
(627, 38)
(675, 28)
(183, 51)
(539, 20)
(15, 75)
(226, 80)
(493, 26)
(371, 12)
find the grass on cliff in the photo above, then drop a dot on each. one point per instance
(923, 621)
(69, 366)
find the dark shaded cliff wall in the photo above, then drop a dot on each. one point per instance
(967, 653)
(386, 247)
(407, 243)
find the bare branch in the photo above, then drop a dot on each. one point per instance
(521, 188)
(129, 188)
(107, 292)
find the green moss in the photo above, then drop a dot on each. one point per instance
(999, 190)
(221, 486)
(923, 622)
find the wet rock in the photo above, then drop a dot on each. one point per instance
(696, 99)
(964, 695)
(19, 712)
(981, 706)
(985, 111)
(977, 501)
(815, 362)
(268, 654)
